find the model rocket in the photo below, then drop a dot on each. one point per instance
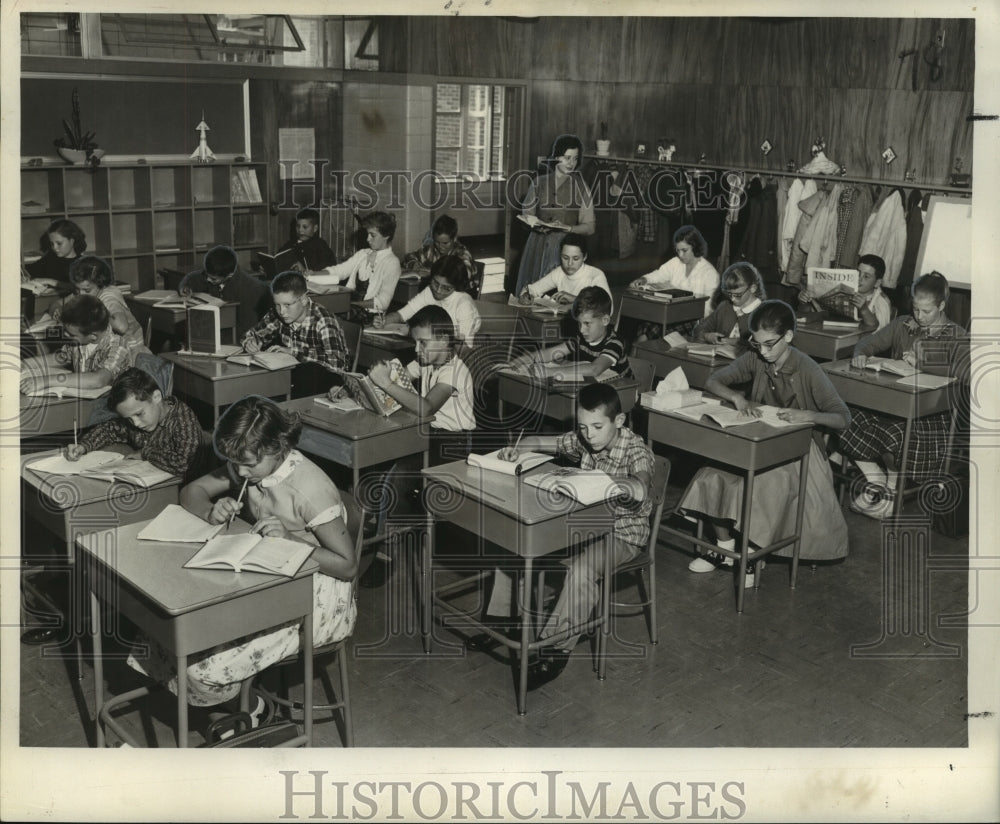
(202, 154)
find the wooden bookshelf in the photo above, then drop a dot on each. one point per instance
(144, 217)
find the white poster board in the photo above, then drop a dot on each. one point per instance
(946, 244)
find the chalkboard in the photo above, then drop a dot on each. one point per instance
(134, 118)
(946, 243)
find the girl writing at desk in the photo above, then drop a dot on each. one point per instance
(780, 375)
(288, 496)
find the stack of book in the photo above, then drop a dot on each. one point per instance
(494, 269)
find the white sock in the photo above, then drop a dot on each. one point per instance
(730, 544)
(873, 472)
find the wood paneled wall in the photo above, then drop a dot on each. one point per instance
(721, 85)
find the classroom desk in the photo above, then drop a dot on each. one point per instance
(218, 383)
(375, 348)
(750, 449)
(337, 301)
(881, 392)
(665, 313)
(64, 507)
(525, 392)
(407, 288)
(358, 439)
(188, 610)
(522, 520)
(49, 415)
(171, 322)
(697, 368)
(826, 343)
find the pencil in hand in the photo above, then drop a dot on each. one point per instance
(239, 504)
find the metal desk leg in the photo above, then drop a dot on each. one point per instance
(799, 510)
(182, 704)
(744, 539)
(897, 504)
(95, 634)
(524, 601)
(602, 638)
(307, 674)
(426, 594)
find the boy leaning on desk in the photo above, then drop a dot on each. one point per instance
(601, 441)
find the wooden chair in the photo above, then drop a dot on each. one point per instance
(644, 371)
(352, 337)
(326, 652)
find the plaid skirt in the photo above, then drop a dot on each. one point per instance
(870, 436)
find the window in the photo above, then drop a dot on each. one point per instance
(468, 135)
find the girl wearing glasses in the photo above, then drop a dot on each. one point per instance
(558, 201)
(779, 375)
(742, 292)
(447, 288)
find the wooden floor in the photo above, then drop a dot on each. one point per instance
(786, 673)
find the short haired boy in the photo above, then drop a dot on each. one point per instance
(311, 249)
(297, 326)
(596, 347)
(874, 308)
(161, 430)
(444, 242)
(601, 441)
(97, 355)
(222, 277)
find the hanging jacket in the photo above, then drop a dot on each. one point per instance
(799, 190)
(885, 235)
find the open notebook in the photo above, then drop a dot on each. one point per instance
(493, 462)
(726, 417)
(251, 552)
(104, 466)
(588, 486)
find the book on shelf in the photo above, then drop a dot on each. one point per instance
(247, 551)
(727, 417)
(279, 262)
(244, 188)
(104, 466)
(66, 391)
(244, 228)
(176, 524)
(266, 360)
(891, 365)
(586, 486)
(494, 463)
(373, 398)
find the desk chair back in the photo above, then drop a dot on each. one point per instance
(352, 337)
(355, 516)
(476, 284)
(646, 560)
(644, 372)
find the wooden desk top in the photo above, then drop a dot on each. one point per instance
(392, 342)
(882, 392)
(156, 570)
(357, 425)
(215, 369)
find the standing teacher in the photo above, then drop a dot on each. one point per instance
(561, 199)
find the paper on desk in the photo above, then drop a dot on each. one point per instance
(675, 340)
(175, 523)
(60, 465)
(922, 380)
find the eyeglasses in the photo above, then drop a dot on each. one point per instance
(442, 288)
(730, 293)
(766, 346)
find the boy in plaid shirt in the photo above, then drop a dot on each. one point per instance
(297, 326)
(601, 441)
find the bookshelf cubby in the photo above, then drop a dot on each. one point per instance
(145, 217)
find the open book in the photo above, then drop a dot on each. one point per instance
(493, 462)
(562, 377)
(318, 288)
(394, 329)
(104, 466)
(364, 391)
(588, 486)
(176, 524)
(252, 552)
(542, 304)
(176, 301)
(267, 360)
(712, 350)
(278, 262)
(726, 417)
(896, 367)
(67, 391)
(345, 404)
(534, 221)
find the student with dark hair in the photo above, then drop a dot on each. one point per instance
(690, 270)
(572, 274)
(873, 305)
(161, 430)
(222, 277)
(312, 251)
(931, 342)
(92, 275)
(299, 327)
(778, 375)
(61, 243)
(443, 243)
(373, 272)
(97, 354)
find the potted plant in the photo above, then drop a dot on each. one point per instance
(77, 146)
(603, 144)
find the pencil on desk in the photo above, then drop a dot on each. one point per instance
(239, 503)
(517, 443)
(75, 442)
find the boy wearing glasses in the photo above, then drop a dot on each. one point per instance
(779, 375)
(447, 289)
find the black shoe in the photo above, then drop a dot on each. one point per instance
(483, 642)
(39, 635)
(550, 663)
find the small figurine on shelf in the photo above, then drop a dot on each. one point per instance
(957, 178)
(665, 148)
(202, 154)
(603, 144)
(640, 149)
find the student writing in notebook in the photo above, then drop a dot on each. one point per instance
(444, 243)
(742, 289)
(601, 441)
(373, 272)
(930, 341)
(286, 496)
(572, 275)
(779, 375)
(447, 288)
(222, 277)
(61, 243)
(97, 354)
(595, 349)
(161, 430)
(299, 327)
(312, 251)
(92, 275)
